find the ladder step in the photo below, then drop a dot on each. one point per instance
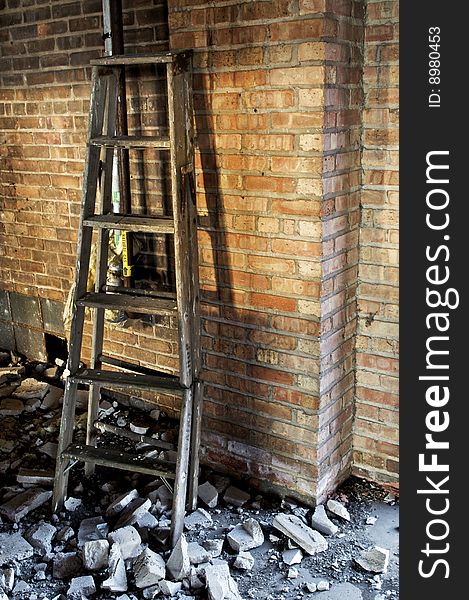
(139, 59)
(113, 379)
(131, 223)
(108, 457)
(132, 141)
(149, 305)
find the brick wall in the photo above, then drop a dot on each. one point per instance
(278, 116)
(376, 433)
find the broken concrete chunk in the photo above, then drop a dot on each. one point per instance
(292, 557)
(374, 560)
(371, 520)
(220, 584)
(246, 536)
(31, 388)
(65, 534)
(208, 494)
(169, 588)
(147, 520)
(13, 546)
(244, 561)
(178, 564)
(235, 496)
(35, 477)
(293, 527)
(22, 504)
(292, 573)
(11, 407)
(120, 503)
(199, 518)
(213, 547)
(149, 568)
(117, 580)
(50, 449)
(94, 528)
(321, 522)
(338, 509)
(310, 587)
(66, 564)
(133, 511)
(323, 586)
(53, 398)
(40, 536)
(72, 504)
(95, 554)
(139, 428)
(128, 539)
(82, 586)
(197, 554)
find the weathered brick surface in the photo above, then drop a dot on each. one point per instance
(376, 421)
(277, 94)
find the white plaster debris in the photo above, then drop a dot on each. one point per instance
(208, 494)
(244, 561)
(321, 522)
(246, 536)
(294, 556)
(22, 504)
(338, 509)
(235, 496)
(323, 586)
(213, 547)
(147, 520)
(178, 564)
(149, 568)
(72, 504)
(118, 505)
(293, 527)
(31, 388)
(310, 587)
(220, 584)
(40, 536)
(371, 520)
(82, 586)
(197, 553)
(95, 554)
(169, 588)
(374, 560)
(199, 518)
(117, 580)
(13, 546)
(139, 429)
(293, 573)
(128, 539)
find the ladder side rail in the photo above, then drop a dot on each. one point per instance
(90, 181)
(102, 252)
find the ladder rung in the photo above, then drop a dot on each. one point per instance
(107, 457)
(148, 305)
(132, 141)
(113, 379)
(131, 223)
(140, 59)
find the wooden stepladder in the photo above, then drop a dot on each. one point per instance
(97, 216)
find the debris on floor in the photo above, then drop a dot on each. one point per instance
(110, 540)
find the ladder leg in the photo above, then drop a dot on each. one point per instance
(101, 269)
(182, 465)
(195, 445)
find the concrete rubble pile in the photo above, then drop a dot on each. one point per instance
(112, 542)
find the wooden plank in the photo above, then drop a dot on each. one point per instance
(196, 434)
(130, 435)
(131, 141)
(139, 223)
(182, 466)
(113, 379)
(140, 59)
(107, 457)
(141, 304)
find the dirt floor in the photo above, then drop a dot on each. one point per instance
(29, 423)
